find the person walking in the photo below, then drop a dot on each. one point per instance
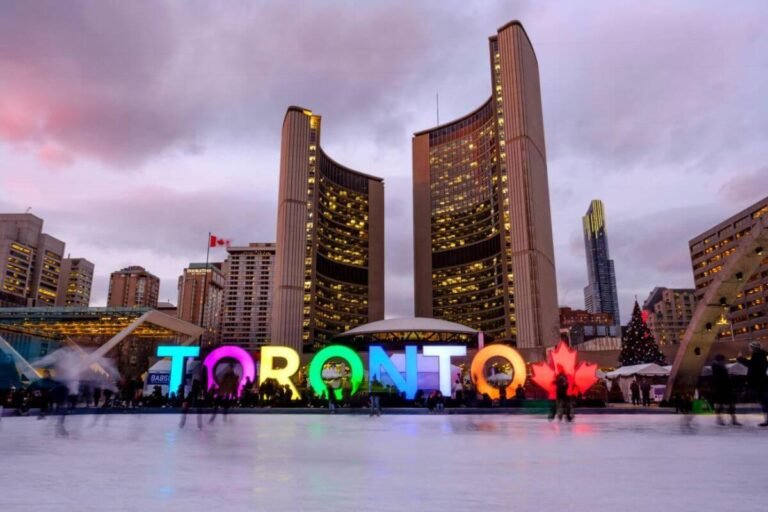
(757, 380)
(634, 390)
(722, 391)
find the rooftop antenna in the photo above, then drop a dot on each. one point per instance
(437, 106)
(27, 210)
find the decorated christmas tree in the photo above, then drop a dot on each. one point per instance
(638, 345)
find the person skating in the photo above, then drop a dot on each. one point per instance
(722, 391)
(562, 400)
(757, 380)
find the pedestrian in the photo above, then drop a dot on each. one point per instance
(96, 396)
(645, 389)
(757, 380)
(722, 391)
(634, 390)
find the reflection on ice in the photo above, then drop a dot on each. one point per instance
(353, 462)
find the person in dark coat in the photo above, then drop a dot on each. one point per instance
(562, 400)
(634, 390)
(645, 389)
(757, 380)
(722, 391)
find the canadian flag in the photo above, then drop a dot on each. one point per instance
(218, 242)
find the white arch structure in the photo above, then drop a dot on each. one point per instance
(701, 332)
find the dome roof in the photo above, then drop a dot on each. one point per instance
(416, 324)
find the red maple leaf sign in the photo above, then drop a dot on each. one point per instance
(580, 377)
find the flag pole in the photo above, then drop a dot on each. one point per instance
(205, 289)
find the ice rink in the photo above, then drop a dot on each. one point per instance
(393, 463)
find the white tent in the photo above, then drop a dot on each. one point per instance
(733, 369)
(643, 370)
(626, 374)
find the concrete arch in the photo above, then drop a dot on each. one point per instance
(701, 333)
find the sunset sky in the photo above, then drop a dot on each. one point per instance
(135, 128)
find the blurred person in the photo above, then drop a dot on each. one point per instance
(634, 390)
(722, 391)
(563, 403)
(757, 380)
(645, 390)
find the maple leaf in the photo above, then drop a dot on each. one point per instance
(580, 377)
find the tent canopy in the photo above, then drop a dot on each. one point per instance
(645, 370)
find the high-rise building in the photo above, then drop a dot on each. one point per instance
(484, 255)
(600, 294)
(329, 269)
(75, 283)
(133, 287)
(247, 304)
(747, 313)
(30, 261)
(668, 312)
(201, 294)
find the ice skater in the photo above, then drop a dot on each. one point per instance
(757, 380)
(193, 400)
(722, 391)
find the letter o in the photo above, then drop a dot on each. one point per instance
(330, 352)
(482, 357)
(236, 353)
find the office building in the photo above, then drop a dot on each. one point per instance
(201, 294)
(746, 316)
(600, 294)
(247, 302)
(580, 326)
(133, 287)
(483, 250)
(329, 268)
(30, 262)
(668, 311)
(75, 283)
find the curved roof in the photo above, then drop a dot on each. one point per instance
(415, 324)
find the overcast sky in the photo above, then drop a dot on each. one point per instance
(134, 128)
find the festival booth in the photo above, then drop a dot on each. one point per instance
(734, 370)
(624, 376)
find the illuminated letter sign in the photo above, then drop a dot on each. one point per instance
(177, 354)
(478, 369)
(236, 353)
(377, 359)
(580, 376)
(444, 354)
(282, 375)
(330, 352)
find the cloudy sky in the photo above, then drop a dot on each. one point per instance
(134, 128)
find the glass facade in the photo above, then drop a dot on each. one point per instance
(336, 300)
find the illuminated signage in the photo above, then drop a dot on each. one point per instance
(282, 363)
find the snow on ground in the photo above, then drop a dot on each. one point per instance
(393, 463)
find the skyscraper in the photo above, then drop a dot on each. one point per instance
(483, 249)
(30, 261)
(133, 287)
(329, 269)
(600, 294)
(75, 283)
(246, 313)
(747, 313)
(201, 293)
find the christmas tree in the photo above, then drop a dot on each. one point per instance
(638, 345)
